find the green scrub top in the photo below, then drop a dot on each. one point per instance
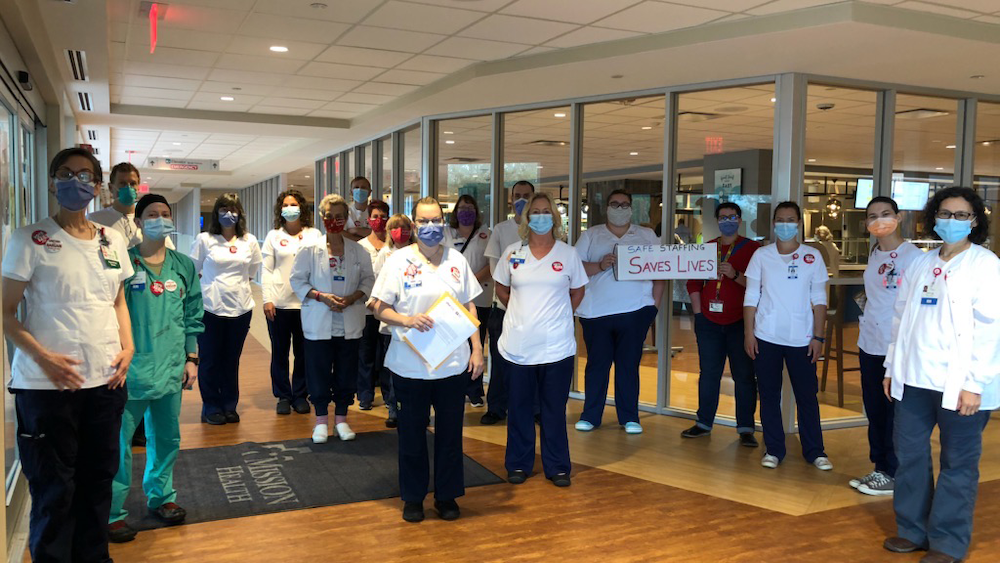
(166, 311)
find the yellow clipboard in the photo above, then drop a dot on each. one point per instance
(444, 297)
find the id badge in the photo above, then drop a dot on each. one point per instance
(110, 258)
(793, 272)
(138, 282)
(929, 295)
(339, 278)
(891, 281)
(518, 256)
(715, 306)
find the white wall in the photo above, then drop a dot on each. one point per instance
(187, 213)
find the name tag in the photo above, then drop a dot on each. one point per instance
(110, 258)
(138, 282)
(339, 278)
(412, 285)
(715, 306)
(793, 272)
(518, 256)
(929, 296)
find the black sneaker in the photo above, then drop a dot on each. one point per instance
(232, 417)
(301, 406)
(561, 480)
(120, 532)
(413, 511)
(516, 477)
(747, 440)
(284, 407)
(695, 432)
(447, 509)
(392, 421)
(215, 419)
(476, 401)
(491, 418)
(365, 405)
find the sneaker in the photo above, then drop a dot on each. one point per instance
(391, 421)
(769, 461)
(365, 405)
(879, 486)
(169, 512)
(284, 407)
(855, 483)
(321, 433)
(447, 509)
(345, 432)
(413, 512)
(584, 426)
(215, 419)
(491, 418)
(232, 417)
(633, 428)
(747, 440)
(695, 432)
(301, 406)
(120, 532)
(823, 463)
(561, 480)
(477, 402)
(517, 477)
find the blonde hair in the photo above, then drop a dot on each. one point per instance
(396, 221)
(426, 201)
(331, 200)
(557, 226)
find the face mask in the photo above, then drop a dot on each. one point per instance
(158, 228)
(729, 228)
(334, 225)
(883, 226)
(377, 224)
(519, 206)
(127, 195)
(952, 231)
(360, 194)
(467, 217)
(431, 235)
(540, 223)
(228, 219)
(73, 194)
(400, 236)
(291, 213)
(619, 217)
(786, 231)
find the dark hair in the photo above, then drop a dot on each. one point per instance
(305, 216)
(453, 221)
(620, 192)
(728, 205)
(356, 178)
(980, 232)
(123, 168)
(884, 199)
(521, 183)
(230, 199)
(149, 199)
(787, 205)
(62, 156)
(380, 205)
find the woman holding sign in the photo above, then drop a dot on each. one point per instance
(615, 316)
(541, 282)
(333, 278)
(784, 311)
(412, 280)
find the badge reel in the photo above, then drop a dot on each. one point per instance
(930, 294)
(518, 256)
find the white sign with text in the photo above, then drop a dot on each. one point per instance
(666, 262)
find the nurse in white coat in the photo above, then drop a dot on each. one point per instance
(942, 370)
(541, 281)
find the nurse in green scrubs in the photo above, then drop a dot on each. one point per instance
(164, 301)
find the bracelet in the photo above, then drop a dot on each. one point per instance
(821, 340)
(192, 359)
(317, 295)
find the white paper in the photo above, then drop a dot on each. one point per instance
(452, 328)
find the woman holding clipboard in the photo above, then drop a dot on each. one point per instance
(412, 280)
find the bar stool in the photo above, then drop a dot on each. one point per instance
(835, 331)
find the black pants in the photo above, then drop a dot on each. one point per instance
(879, 411)
(496, 394)
(69, 448)
(332, 373)
(716, 343)
(220, 348)
(416, 397)
(546, 385)
(474, 390)
(286, 332)
(384, 375)
(370, 360)
(802, 375)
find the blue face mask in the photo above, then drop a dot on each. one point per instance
(73, 194)
(360, 194)
(127, 195)
(519, 206)
(786, 231)
(228, 219)
(541, 223)
(952, 231)
(291, 213)
(158, 228)
(431, 235)
(729, 228)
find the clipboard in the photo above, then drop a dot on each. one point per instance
(428, 345)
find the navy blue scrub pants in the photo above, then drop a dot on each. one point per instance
(220, 348)
(69, 446)
(614, 339)
(497, 393)
(940, 516)
(415, 397)
(369, 361)
(802, 374)
(286, 335)
(879, 410)
(548, 384)
(474, 390)
(715, 343)
(384, 375)
(332, 373)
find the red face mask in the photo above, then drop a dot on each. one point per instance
(334, 225)
(377, 224)
(400, 236)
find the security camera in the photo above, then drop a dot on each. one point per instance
(24, 80)
(824, 106)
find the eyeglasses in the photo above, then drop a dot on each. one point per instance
(425, 222)
(729, 219)
(622, 205)
(960, 215)
(85, 176)
(131, 184)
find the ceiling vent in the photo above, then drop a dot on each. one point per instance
(695, 116)
(544, 143)
(78, 65)
(463, 159)
(85, 101)
(91, 134)
(920, 113)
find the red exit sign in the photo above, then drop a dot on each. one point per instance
(713, 145)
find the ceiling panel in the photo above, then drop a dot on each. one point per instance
(345, 106)
(409, 77)
(575, 11)
(179, 38)
(518, 30)
(307, 94)
(348, 11)
(292, 29)
(172, 71)
(279, 110)
(292, 103)
(385, 89)
(427, 63)
(258, 63)
(365, 57)
(391, 39)
(655, 17)
(230, 88)
(170, 56)
(366, 98)
(261, 47)
(937, 9)
(216, 99)
(477, 48)
(587, 35)
(161, 93)
(318, 83)
(160, 82)
(331, 70)
(237, 76)
(421, 17)
(156, 102)
(212, 20)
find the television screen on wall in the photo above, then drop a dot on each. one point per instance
(908, 195)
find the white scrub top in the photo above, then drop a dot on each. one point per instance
(226, 269)
(357, 218)
(605, 295)
(538, 327)
(476, 257)
(373, 254)
(410, 285)
(69, 300)
(784, 288)
(278, 253)
(504, 234)
(316, 269)
(124, 224)
(883, 276)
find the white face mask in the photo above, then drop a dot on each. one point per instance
(619, 217)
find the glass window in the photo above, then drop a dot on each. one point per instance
(386, 146)
(412, 171)
(322, 173)
(367, 152)
(536, 148)
(987, 166)
(464, 161)
(334, 181)
(7, 175)
(349, 165)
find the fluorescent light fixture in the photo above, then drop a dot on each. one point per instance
(774, 100)
(306, 176)
(560, 114)
(633, 153)
(812, 160)
(950, 147)
(449, 142)
(227, 98)
(279, 49)
(646, 128)
(939, 168)
(177, 144)
(447, 132)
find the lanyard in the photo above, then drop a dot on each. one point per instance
(732, 249)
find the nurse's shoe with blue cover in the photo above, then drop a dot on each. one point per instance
(584, 426)
(633, 428)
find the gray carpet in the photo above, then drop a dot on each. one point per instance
(249, 478)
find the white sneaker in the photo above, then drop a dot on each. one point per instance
(823, 463)
(855, 483)
(345, 432)
(320, 433)
(769, 461)
(879, 486)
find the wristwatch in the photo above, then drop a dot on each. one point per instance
(821, 340)
(193, 360)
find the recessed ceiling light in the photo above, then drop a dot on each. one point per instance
(448, 132)
(987, 143)
(950, 147)
(279, 48)
(385, 158)
(939, 168)
(774, 100)
(177, 144)
(227, 98)
(977, 76)
(646, 128)
(812, 160)
(559, 114)
(633, 153)
(305, 176)
(449, 142)
(540, 166)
